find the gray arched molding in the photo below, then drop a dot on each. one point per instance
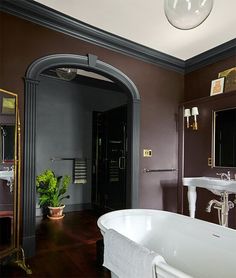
(88, 62)
(91, 63)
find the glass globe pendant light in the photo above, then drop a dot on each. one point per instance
(66, 73)
(187, 14)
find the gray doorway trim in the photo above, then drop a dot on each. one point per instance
(91, 63)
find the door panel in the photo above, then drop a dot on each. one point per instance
(110, 156)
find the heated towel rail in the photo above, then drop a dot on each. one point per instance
(79, 168)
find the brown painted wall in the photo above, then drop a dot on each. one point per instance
(198, 143)
(161, 91)
(1, 49)
(198, 83)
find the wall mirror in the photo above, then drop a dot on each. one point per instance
(7, 143)
(224, 138)
(9, 174)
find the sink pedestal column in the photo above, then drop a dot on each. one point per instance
(192, 197)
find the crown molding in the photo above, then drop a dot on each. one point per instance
(211, 56)
(47, 17)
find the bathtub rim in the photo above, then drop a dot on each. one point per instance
(129, 212)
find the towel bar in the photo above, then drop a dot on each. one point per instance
(159, 170)
(60, 158)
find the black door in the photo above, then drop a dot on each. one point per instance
(109, 159)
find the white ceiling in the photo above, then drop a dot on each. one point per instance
(144, 22)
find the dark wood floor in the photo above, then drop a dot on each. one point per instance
(65, 248)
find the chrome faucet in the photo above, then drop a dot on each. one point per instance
(224, 175)
(217, 205)
(223, 206)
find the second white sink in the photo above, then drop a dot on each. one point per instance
(217, 186)
(6, 175)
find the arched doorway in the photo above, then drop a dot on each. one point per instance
(91, 63)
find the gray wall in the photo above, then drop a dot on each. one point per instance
(64, 129)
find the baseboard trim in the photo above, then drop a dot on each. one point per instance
(28, 244)
(77, 207)
(69, 208)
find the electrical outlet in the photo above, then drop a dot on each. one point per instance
(147, 153)
(209, 161)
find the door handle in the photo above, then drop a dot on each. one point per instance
(121, 163)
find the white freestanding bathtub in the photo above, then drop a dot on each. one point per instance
(196, 248)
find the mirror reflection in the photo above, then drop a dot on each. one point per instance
(225, 138)
(8, 163)
(7, 143)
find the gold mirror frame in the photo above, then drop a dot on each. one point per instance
(15, 247)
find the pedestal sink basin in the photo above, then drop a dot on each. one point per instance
(216, 186)
(7, 175)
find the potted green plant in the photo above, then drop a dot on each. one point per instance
(51, 190)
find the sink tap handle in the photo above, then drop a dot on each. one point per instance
(227, 176)
(231, 204)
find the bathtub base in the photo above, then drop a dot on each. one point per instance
(99, 252)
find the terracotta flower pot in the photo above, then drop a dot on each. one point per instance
(56, 212)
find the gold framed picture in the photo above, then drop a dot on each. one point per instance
(230, 79)
(217, 86)
(8, 105)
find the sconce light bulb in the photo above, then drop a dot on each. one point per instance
(187, 114)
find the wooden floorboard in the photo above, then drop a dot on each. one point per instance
(65, 248)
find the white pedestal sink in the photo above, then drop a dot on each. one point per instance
(216, 186)
(6, 175)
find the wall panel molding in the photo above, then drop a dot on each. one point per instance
(29, 191)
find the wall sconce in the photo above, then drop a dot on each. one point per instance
(188, 113)
(194, 114)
